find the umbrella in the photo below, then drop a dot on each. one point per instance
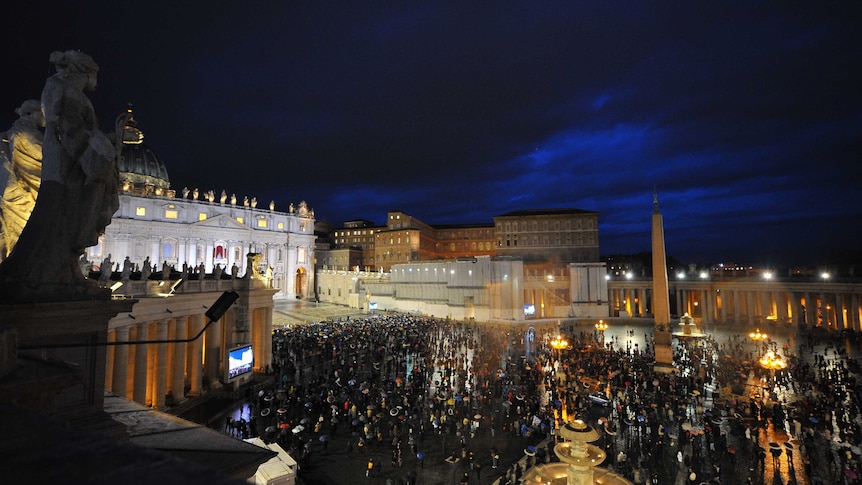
(774, 446)
(856, 450)
(420, 455)
(355, 422)
(789, 446)
(696, 393)
(324, 438)
(477, 416)
(850, 474)
(298, 429)
(686, 426)
(450, 402)
(370, 407)
(813, 420)
(530, 450)
(265, 412)
(304, 421)
(284, 425)
(308, 404)
(270, 429)
(393, 412)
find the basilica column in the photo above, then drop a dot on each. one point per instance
(178, 383)
(839, 311)
(195, 364)
(737, 306)
(853, 313)
(750, 308)
(765, 305)
(142, 351)
(160, 354)
(267, 332)
(120, 365)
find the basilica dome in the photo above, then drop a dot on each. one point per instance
(141, 170)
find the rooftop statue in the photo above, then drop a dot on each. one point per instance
(77, 196)
(24, 163)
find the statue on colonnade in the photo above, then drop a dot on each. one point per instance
(78, 193)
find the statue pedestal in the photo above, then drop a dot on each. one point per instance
(663, 352)
(67, 383)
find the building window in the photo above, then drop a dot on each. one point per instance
(168, 250)
(171, 214)
(261, 223)
(202, 216)
(140, 211)
(280, 226)
(240, 219)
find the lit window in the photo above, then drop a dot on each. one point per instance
(171, 214)
(281, 225)
(140, 211)
(241, 220)
(261, 223)
(202, 216)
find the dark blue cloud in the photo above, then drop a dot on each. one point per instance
(745, 117)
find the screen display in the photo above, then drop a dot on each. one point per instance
(529, 309)
(240, 361)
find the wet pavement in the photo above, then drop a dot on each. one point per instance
(333, 462)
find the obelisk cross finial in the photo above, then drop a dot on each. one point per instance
(655, 199)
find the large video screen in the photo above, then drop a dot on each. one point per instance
(240, 361)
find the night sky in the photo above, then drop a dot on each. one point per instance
(746, 118)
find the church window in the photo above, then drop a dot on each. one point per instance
(168, 250)
(171, 214)
(262, 223)
(140, 211)
(240, 219)
(300, 255)
(280, 226)
(202, 216)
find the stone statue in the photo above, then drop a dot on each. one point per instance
(77, 196)
(223, 197)
(146, 269)
(252, 268)
(254, 202)
(105, 269)
(233, 199)
(217, 271)
(127, 270)
(186, 192)
(234, 270)
(25, 173)
(272, 205)
(245, 201)
(195, 194)
(166, 271)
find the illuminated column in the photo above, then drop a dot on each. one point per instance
(798, 316)
(680, 301)
(824, 312)
(256, 338)
(120, 375)
(782, 304)
(721, 299)
(765, 305)
(160, 354)
(109, 359)
(178, 383)
(213, 352)
(839, 311)
(196, 355)
(853, 313)
(142, 351)
(750, 307)
(737, 306)
(267, 333)
(810, 310)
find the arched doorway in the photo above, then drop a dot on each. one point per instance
(300, 282)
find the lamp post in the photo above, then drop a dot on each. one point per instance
(772, 362)
(601, 327)
(559, 343)
(758, 337)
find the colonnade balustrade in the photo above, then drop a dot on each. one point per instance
(746, 302)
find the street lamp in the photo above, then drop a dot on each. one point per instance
(601, 327)
(772, 362)
(758, 337)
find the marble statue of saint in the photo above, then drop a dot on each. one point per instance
(254, 202)
(186, 192)
(25, 173)
(127, 269)
(272, 205)
(223, 197)
(146, 269)
(105, 269)
(233, 199)
(234, 270)
(195, 193)
(217, 272)
(77, 197)
(245, 201)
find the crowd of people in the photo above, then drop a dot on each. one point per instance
(410, 387)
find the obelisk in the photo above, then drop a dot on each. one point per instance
(660, 294)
